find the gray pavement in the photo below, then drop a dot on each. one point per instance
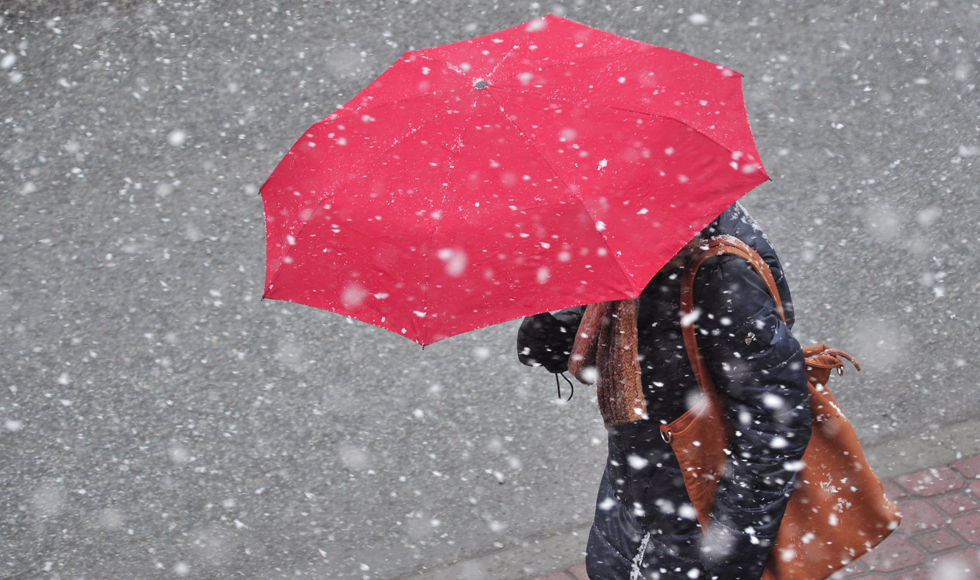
(158, 420)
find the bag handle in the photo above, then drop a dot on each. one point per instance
(716, 246)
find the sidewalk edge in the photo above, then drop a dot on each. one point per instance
(542, 556)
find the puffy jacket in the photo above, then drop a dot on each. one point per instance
(644, 521)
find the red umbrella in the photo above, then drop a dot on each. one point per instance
(544, 166)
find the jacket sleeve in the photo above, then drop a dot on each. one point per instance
(546, 339)
(758, 367)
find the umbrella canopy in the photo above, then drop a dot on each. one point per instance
(544, 166)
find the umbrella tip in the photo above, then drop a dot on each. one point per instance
(480, 84)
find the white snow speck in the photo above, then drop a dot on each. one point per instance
(969, 150)
(794, 465)
(419, 313)
(687, 512)
(690, 318)
(928, 216)
(590, 375)
(176, 137)
(637, 462)
(455, 260)
(603, 163)
(8, 61)
(13, 425)
(353, 295)
(535, 25)
(543, 274)
(600, 226)
(697, 19)
(772, 401)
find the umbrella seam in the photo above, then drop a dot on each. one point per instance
(587, 58)
(575, 196)
(432, 235)
(644, 47)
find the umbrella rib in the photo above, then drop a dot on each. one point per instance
(503, 59)
(575, 196)
(345, 112)
(617, 108)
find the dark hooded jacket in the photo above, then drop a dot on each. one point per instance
(644, 524)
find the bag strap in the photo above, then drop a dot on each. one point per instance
(716, 246)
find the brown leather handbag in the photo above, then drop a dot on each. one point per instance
(838, 510)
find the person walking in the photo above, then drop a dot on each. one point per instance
(645, 525)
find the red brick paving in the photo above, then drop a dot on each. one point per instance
(893, 490)
(968, 527)
(959, 564)
(931, 482)
(895, 553)
(975, 488)
(957, 503)
(969, 468)
(939, 538)
(850, 571)
(919, 515)
(939, 541)
(917, 574)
